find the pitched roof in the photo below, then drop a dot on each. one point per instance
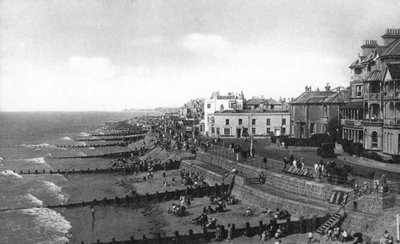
(313, 97)
(392, 49)
(394, 70)
(257, 101)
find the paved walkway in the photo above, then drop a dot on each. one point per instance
(366, 162)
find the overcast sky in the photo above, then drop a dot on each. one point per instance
(111, 55)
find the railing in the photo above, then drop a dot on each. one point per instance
(372, 96)
(237, 157)
(351, 122)
(372, 121)
(395, 96)
(392, 122)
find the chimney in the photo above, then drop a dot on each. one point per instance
(390, 36)
(327, 87)
(368, 47)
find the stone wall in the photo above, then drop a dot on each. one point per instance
(282, 181)
(255, 197)
(301, 186)
(375, 203)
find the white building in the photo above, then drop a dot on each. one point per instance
(217, 102)
(244, 123)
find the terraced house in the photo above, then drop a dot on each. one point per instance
(372, 117)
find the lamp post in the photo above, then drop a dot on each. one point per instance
(251, 134)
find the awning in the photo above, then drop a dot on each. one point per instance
(353, 105)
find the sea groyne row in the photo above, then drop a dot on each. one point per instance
(124, 133)
(169, 166)
(203, 191)
(246, 229)
(115, 138)
(119, 144)
(105, 155)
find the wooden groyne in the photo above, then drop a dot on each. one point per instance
(118, 144)
(198, 192)
(158, 167)
(115, 138)
(105, 155)
(121, 133)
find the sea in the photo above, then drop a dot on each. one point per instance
(27, 142)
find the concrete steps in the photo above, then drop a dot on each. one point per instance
(323, 229)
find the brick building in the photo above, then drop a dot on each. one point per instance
(372, 116)
(314, 112)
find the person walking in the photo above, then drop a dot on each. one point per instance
(310, 237)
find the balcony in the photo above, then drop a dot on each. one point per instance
(351, 122)
(372, 96)
(373, 122)
(392, 96)
(392, 122)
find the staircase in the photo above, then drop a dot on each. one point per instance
(332, 221)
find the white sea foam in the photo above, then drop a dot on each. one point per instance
(82, 143)
(1, 159)
(34, 200)
(81, 154)
(51, 221)
(91, 148)
(40, 160)
(41, 145)
(55, 190)
(66, 138)
(11, 173)
(84, 134)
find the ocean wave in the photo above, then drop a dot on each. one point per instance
(81, 154)
(52, 222)
(41, 145)
(40, 160)
(82, 143)
(66, 138)
(55, 190)
(1, 159)
(10, 172)
(84, 134)
(91, 148)
(34, 200)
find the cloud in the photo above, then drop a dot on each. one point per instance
(205, 44)
(99, 67)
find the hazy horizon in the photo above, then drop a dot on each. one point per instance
(99, 55)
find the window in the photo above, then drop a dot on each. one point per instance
(253, 131)
(358, 90)
(268, 130)
(208, 105)
(398, 142)
(240, 121)
(227, 122)
(312, 128)
(272, 107)
(221, 107)
(227, 131)
(253, 122)
(283, 121)
(218, 131)
(212, 130)
(283, 131)
(268, 121)
(324, 111)
(374, 140)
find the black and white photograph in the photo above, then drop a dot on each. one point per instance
(199, 121)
